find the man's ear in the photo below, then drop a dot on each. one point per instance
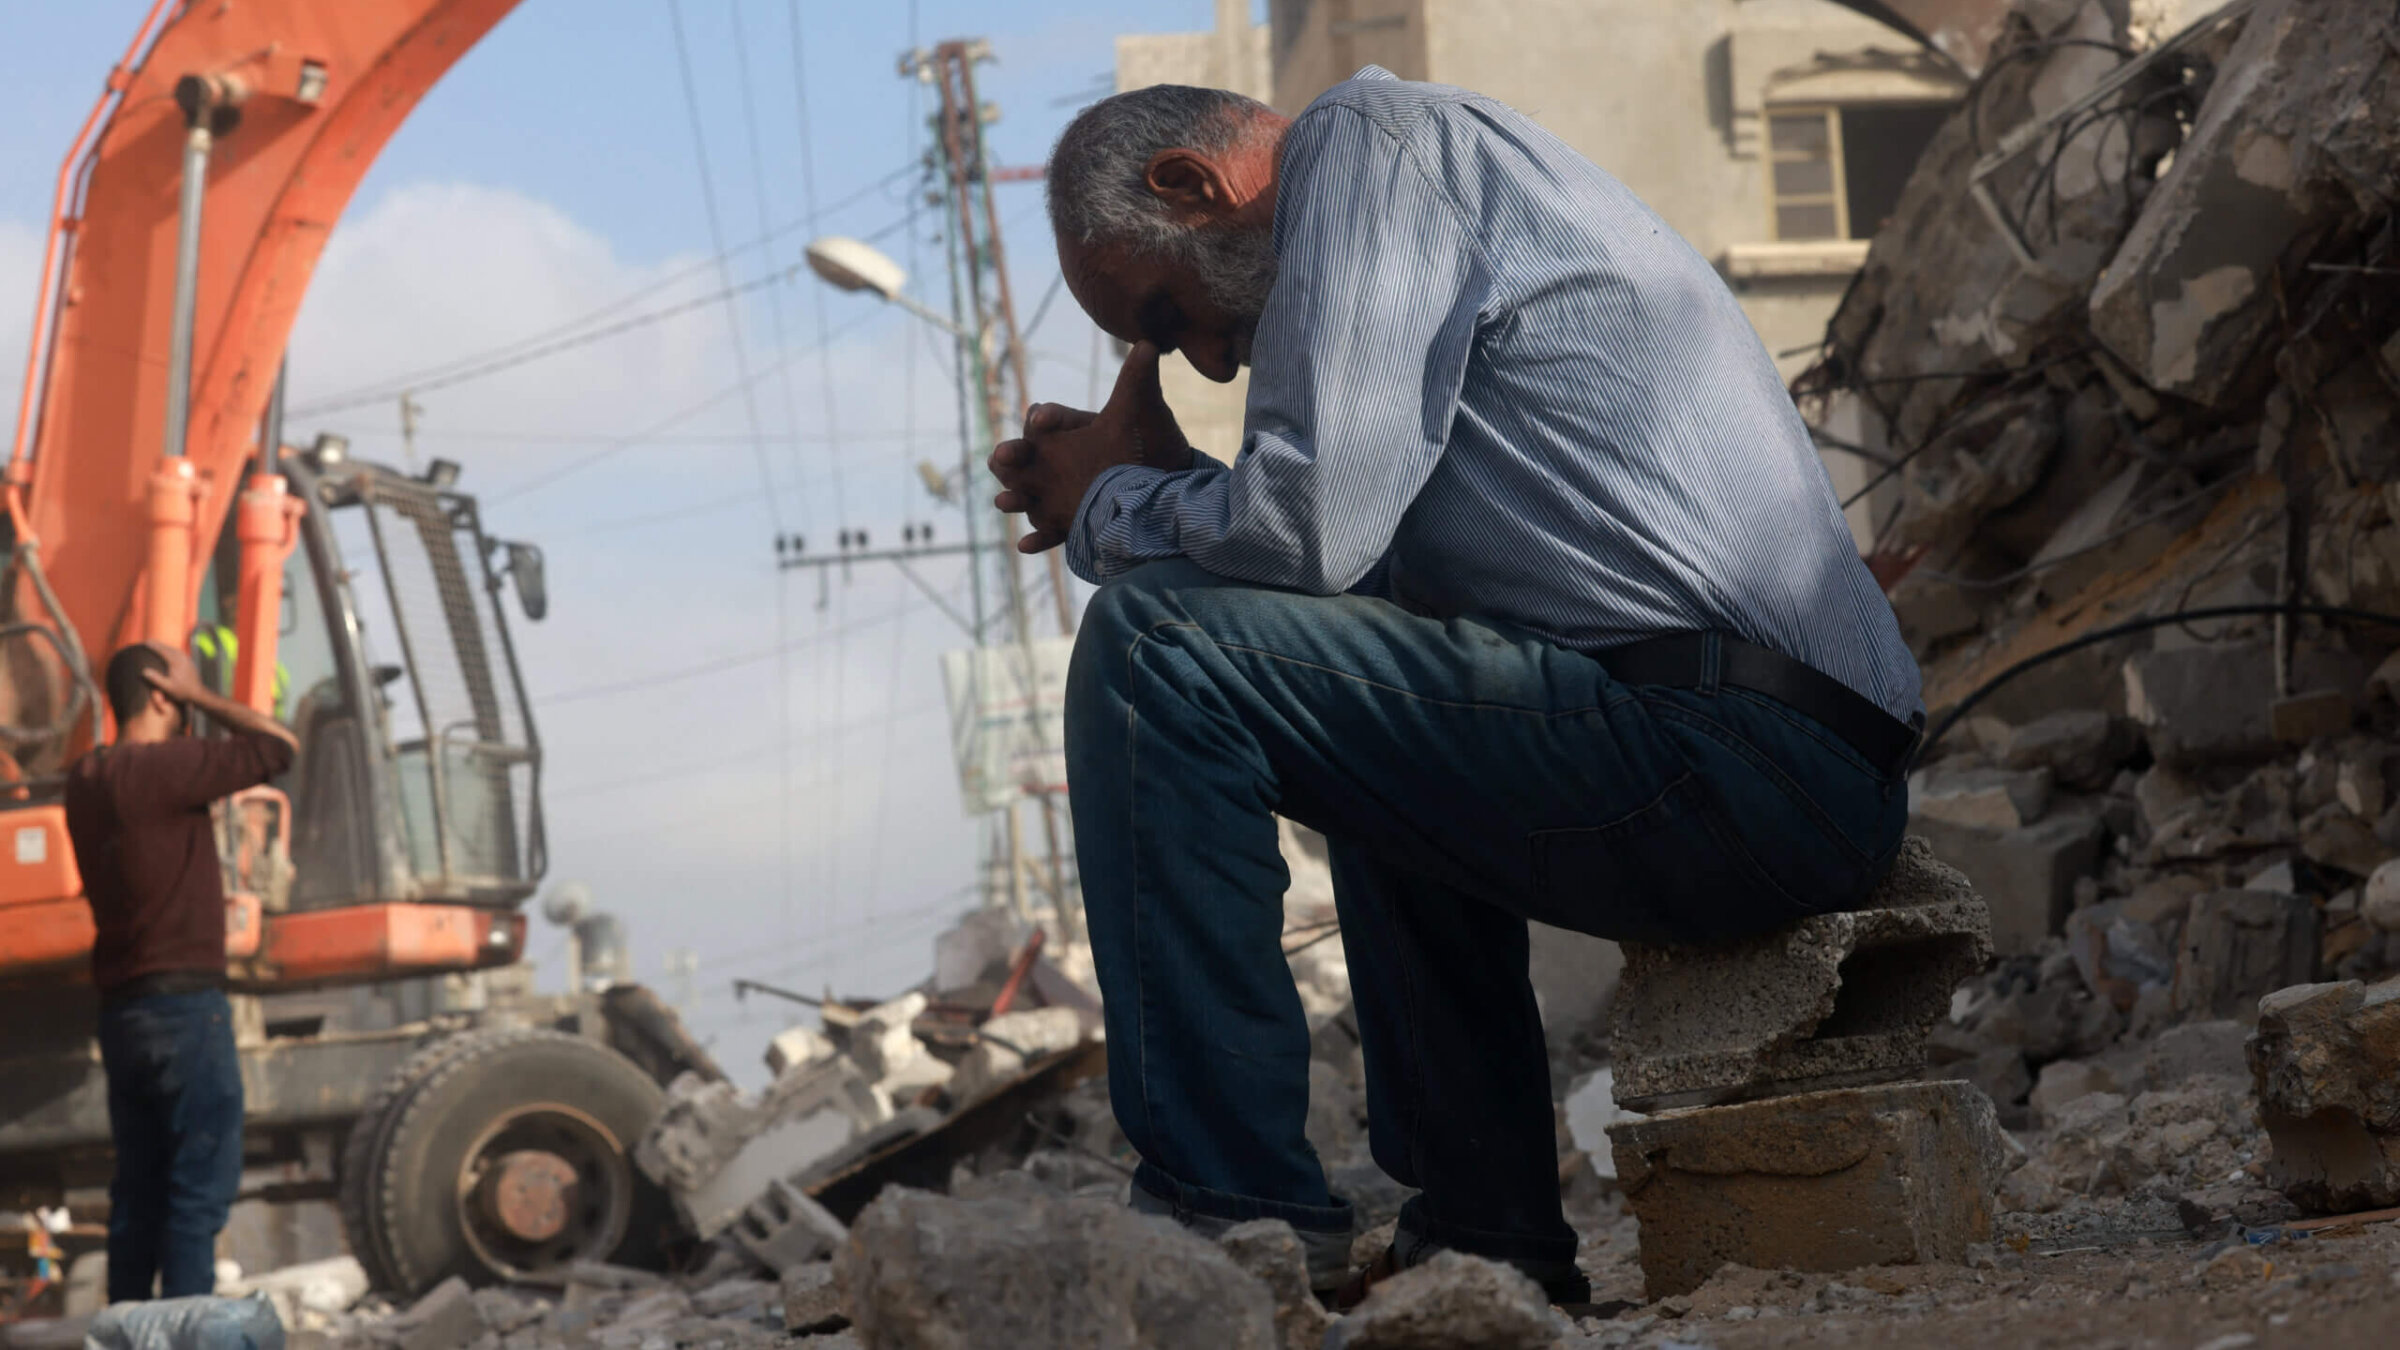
(1187, 181)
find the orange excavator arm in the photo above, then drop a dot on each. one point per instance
(289, 102)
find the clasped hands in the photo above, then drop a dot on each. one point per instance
(1045, 472)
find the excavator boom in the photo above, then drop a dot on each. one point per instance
(304, 95)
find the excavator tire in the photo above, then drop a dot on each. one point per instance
(355, 1172)
(510, 1156)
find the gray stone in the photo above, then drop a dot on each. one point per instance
(926, 1272)
(2203, 705)
(443, 1318)
(2196, 1050)
(1574, 979)
(1270, 1250)
(2163, 794)
(812, 1300)
(2081, 747)
(1837, 998)
(1991, 799)
(2064, 1081)
(1900, 1173)
(1452, 1300)
(2326, 1061)
(2027, 877)
(2237, 946)
(2191, 293)
(2379, 903)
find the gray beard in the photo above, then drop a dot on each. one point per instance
(1236, 267)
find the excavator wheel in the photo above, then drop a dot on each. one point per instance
(506, 1155)
(356, 1171)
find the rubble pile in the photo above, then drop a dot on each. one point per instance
(2129, 348)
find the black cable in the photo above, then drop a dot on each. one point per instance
(2132, 626)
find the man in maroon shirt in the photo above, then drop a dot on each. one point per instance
(138, 812)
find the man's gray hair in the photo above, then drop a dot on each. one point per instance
(1099, 171)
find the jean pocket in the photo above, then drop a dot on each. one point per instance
(1669, 871)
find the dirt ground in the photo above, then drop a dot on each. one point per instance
(2135, 1281)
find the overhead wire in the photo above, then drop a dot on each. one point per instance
(831, 849)
(717, 665)
(716, 239)
(390, 387)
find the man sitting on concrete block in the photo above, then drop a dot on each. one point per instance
(1526, 588)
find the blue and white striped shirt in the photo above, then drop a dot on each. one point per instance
(1490, 381)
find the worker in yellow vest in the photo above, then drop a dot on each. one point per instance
(218, 651)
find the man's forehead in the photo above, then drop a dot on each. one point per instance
(1108, 284)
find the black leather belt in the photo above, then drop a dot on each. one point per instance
(1681, 661)
(162, 982)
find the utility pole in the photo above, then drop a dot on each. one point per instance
(410, 411)
(985, 309)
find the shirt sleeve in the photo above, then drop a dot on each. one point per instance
(188, 772)
(1354, 378)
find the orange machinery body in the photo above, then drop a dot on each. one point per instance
(122, 529)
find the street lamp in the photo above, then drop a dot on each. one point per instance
(852, 265)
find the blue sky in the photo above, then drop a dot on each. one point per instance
(552, 172)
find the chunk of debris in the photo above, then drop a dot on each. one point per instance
(1270, 1250)
(926, 1272)
(1451, 1299)
(2326, 1059)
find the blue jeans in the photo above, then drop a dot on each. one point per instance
(175, 1110)
(1468, 777)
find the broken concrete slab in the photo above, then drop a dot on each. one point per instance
(926, 1272)
(797, 1048)
(2240, 945)
(885, 1040)
(1893, 1174)
(2081, 747)
(1008, 1043)
(1271, 1251)
(2025, 877)
(2203, 704)
(2326, 1060)
(1833, 999)
(1452, 1299)
(716, 1149)
(2193, 290)
(1988, 799)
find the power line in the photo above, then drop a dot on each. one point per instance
(392, 386)
(716, 239)
(681, 415)
(751, 755)
(587, 437)
(722, 663)
(532, 354)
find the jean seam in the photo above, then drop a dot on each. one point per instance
(1133, 816)
(1740, 745)
(1471, 706)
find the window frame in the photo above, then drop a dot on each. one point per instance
(1838, 197)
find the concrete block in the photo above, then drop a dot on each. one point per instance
(2326, 1060)
(1896, 1174)
(812, 1300)
(2081, 747)
(885, 1040)
(2202, 705)
(2026, 877)
(1832, 1000)
(784, 1228)
(1991, 799)
(2240, 945)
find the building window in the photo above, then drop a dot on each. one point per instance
(1836, 172)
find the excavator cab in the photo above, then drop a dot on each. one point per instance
(418, 777)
